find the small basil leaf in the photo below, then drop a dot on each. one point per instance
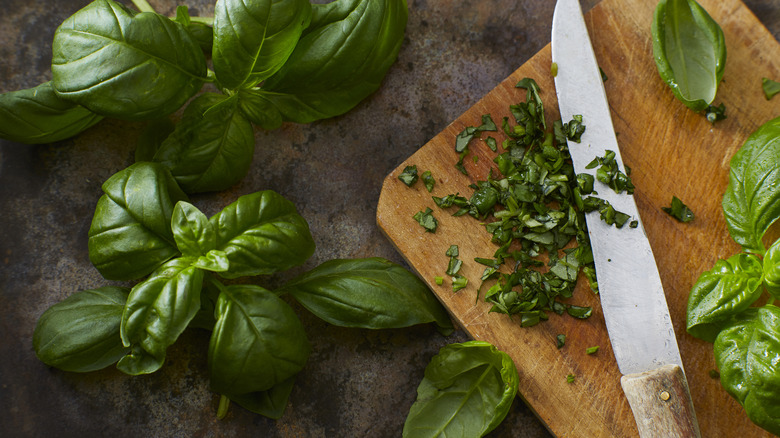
(262, 233)
(125, 65)
(157, 312)
(130, 235)
(368, 293)
(81, 333)
(258, 109)
(37, 115)
(214, 261)
(727, 289)
(212, 146)
(253, 39)
(201, 33)
(771, 268)
(258, 342)
(194, 234)
(340, 59)
(752, 200)
(466, 392)
(270, 403)
(746, 353)
(689, 50)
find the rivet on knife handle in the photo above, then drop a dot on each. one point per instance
(661, 403)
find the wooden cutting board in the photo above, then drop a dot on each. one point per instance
(671, 151)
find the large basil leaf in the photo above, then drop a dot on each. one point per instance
(689, 50)
(748, 356)
(258, 342)
(253, 38)
(727, 289)
(81, 333)
(157, 312)
(369, 293)
(37, 115)
(130, 235)
(270, 403)
(752, 199)
(211, 148)
(771, 270)
(466, 392)
(341, 58)
(262, 233)
(126, 65)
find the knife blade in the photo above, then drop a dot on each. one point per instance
(632, 296)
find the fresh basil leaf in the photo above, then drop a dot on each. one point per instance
(37, 115)
(253, 39)
(126, 65)
(130, 235)
(258, 109)
(466, 392)
(752, 199)
(770, 87)
(270, 403)
(201, 33)
(771, 270)
(746, 354)
(689, 51)
(157, 312)
(258, 342)
(81, 333)
(214, 261)
(727, 289)
(368, 293)
(212, 146)
(340, 59)
(262, 233)
(194, 234)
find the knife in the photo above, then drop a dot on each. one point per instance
(632, 296)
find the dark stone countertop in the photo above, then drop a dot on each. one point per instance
(357, 383)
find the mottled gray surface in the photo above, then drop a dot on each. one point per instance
(358, 383)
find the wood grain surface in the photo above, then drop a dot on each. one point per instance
(671, 151)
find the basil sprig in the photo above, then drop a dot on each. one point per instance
(722, 304)
(689, 50)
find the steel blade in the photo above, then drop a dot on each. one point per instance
(632, 296)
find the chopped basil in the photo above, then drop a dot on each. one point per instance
(459, 282)
(554, 69)
(560, 341)
(770, 87)
(570, 378)
(439, 280)
(592, 350)
(579, 312)
(426, 220)
(603, 75)
(491, 142)
(428, 180)
(409, 175)
(465, 136)
(715, 113)
(609, 173)
(678, 210)
(572, 130)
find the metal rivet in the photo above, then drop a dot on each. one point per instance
(665, 395)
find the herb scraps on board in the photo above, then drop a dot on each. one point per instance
(679, 210)
(770, 87)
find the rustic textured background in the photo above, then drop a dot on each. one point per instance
(358, 383)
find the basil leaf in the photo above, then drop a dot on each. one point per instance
(201, 33)
(81, 333)
(253, 39)
(194, 234)
(770, 87)
(679, 210)
(746, 354)
(130, 235)
(258, 342)
(771, 270)
(466, 392)
(340, 59)
(689, 51)
(368, 293)
(752, 200)
(262, 233)
(125, 65)
(157, 312)
(37, 115)
(270, 403)
(214, 261)
(212, 146)
(727, 289)
(259, 110)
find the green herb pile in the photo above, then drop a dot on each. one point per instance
(731, 305)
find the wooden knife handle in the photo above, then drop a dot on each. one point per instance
(661, 403)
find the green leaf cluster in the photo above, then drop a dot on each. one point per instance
(144, 229)
(689, 50)
(724, 305)
(274, 61)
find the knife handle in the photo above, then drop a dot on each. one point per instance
(661, 403)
